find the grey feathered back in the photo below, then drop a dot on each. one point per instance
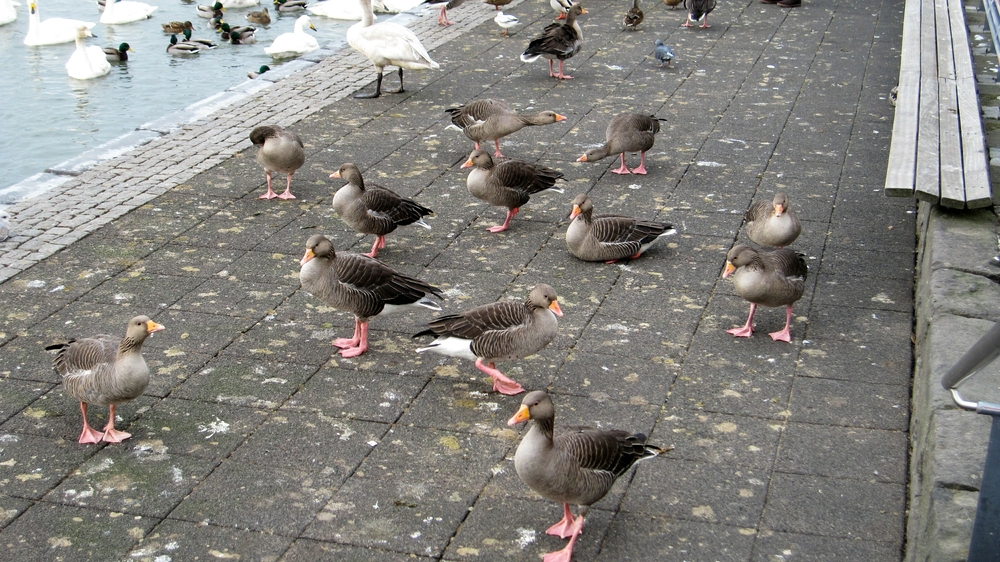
(764, 227)
(492, 119)
(371, 208)
(278, 150)
(509, 183)
(770, 278)
(627, 132)
(610, 237)
(699, 8)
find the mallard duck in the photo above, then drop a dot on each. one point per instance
(87, 61)
(557, 41)
(253, 74)
(499, 331)
(634, 16)
(361, 285)
(772, 223)
(178, 49)
(663, 53)
(117, 55)
(509, 183)
(8, 11)
(213, 11)
(491, 120)
(176, 27)
(51, 31)
(203, 43)
(289, 6)
(296, 43)
(262, 17)
(105, 371)
(609, 238)
(278, 150)
(126, 11)
(445, 5)
(769, 278)
(387, 44)
(237, 38)
(506, 21)
(698, 10)
(627, 132)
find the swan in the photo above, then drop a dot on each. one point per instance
(387, 44)
(87, 62)
(239, 3)
(52, 30)
(296, 43)
(7, 11)
(126, 11)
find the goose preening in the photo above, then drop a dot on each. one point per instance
(634, 16)
(210, 12)
(499, 331)
(609, 238)
(572, 464)
(698, 10)
(262, 17)
(180, 49)
(117, 55)
(8, 11)
(561, 7)
(278, 150)
(176, 27)
(627, 132)
(296, 43)
(255, 73)
(361, 285)
(387, 44)
(772, 223)
(663, 53)
(105, 371)
(491, 120)
(51, 31)
(557, 41)
(445, 6)
(509, 183)
(87, 61)
(373, 209)
(506, 21)
(125, 11)
(768, 278)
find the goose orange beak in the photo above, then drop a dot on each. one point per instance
(152, 327)
(576, 212)
(554, 307)
(521, 415)
(335, 175)
(582, 158)
(730, 268)
(560, 118)
(778, 209)
(468, 163)
(307, 256)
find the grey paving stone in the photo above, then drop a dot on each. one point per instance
(640, 535)
(33, 465)
(241, 381)
(850, 403)
(789, 546)
(198, 429)
(180, 539)
(719, 439)
(303, 550)
(334, 392)
(816, 449)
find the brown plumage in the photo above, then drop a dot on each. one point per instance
(177, 27)
(559, 40)
(609, 238)
(491, 120)
(497, 4)
(634, 16)
(772, 223)
(262, 17)
(672, 3)
(278, 150)
(572, 464)
(698, 10)
(105, 371)
(627, 132)
(509, 183)
(373, 209)
(769, 278)
(499, 331)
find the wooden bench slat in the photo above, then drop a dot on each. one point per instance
(975, 156)
(927, 185)
(900, 177)
(952, 182)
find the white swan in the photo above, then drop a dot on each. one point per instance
(387, 44)
(87, 62)
(239, 3)
(296, 43)
(7, 11)
(342, 9)
(52, 30)
(125, 11)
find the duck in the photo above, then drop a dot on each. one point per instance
(698, 10)
(387, 44)
(498, 331)
(182, 48)
(672, 3)
(296, 43)
(506, 21)
(87, 62)
(239, 3)
(627, 132)
(176, 27)
(278, 150)
(445, 5)
(8, 11)
(262, 17)
(105, 371)
(634, 16)
(243, 30)
(202, 43)
(772, 223)
(289, 6)
(560, 7)
(126, 11)
(610, 238)
(557, 41)
(51, 31)
(255, 73)
(491, 119)
(361, 285)
(497, 4)
(768, 278)
(373, 209)
(117, 55)
(247, 38)
(663, 53)
(208, 12)
(509, 183)
(572, 464)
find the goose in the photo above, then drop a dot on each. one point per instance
(213, 11)
(387, 44)
(278, 150)
(627, 132)
(557, 41)
(8, 11)
(289, 6)
(572, 464)
(502, 330)
(126, 11)
(768, 278)
(117, 55)
(239, 3)
(491, 120)
(262, 17)
(561, 7)
(253, 74)
(634, 16)
(698, 10)
(663, 53)
(509, 183)
(51, 31)
(202, 43)
(445, 6)
(497, 4)
(772, 223)
(296, 43)
(361, 285)
(373, 209)
(179, 49)
(506, 21)
(87, 62)
(176, 27)
(237, 38)
(105, 371)
(609, 238)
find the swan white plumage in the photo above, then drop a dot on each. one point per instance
(342, 9)
(387, 44)
(87, 62)
(296, 43)
(51, 31)
(8, 13)
(125, 11)
(239, 3)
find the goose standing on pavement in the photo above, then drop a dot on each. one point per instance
(499, 331)
(51, 31)
(509, 183)
(557, 41)
(609, 238)
(387, 44)
(105, 371)
(772, 223)
(278, 150)
(768, 278)
(296, 43)
(506, 21)
(361, 285)
(445, 5)
(373, 209)
(491, 120)
(634, 16)
(572, 464)
(698, 10)
(627, 132)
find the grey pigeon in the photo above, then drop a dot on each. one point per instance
(663, 53)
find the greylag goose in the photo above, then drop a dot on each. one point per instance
(772, 223)
(360, 285)
(509, 183)
(117, 55)
(609, 238)
(491, 120)
(373, 209)
(498, 331)
(278, 150)
(445, 5)
(105, 371)
(557, 41)
(698, 10)
(774, 278)
(572, 464)
(387, 44)
(634, 16)
(627, 132)
(663, 53)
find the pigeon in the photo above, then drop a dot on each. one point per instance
(663, 53)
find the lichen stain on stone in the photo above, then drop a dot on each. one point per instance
(726, 427)
(450, 442)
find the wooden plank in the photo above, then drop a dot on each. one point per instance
(927, 186)
(909, 60)
(945, 54)
(901, 172)
(952, 182)
(975, 157)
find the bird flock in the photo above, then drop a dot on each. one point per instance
(565, 464)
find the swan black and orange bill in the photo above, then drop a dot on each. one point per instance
(307, 256)
(521, 415)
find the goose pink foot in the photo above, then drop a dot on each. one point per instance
(497, 154)
(443, 18)
(623, 169)
(288, 190)
(746, 330)
(642, 164)
(506, 223)
(560, 76)
(270, 193)
(566, 554)
(784, 334)
(501, 382)
(112, 435)
(378, 245)
(356, 345)
(564, 527)
(89, 434)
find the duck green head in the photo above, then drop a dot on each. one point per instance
(218, 6)
(173, 39)
(264, 68)
(124, 47)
